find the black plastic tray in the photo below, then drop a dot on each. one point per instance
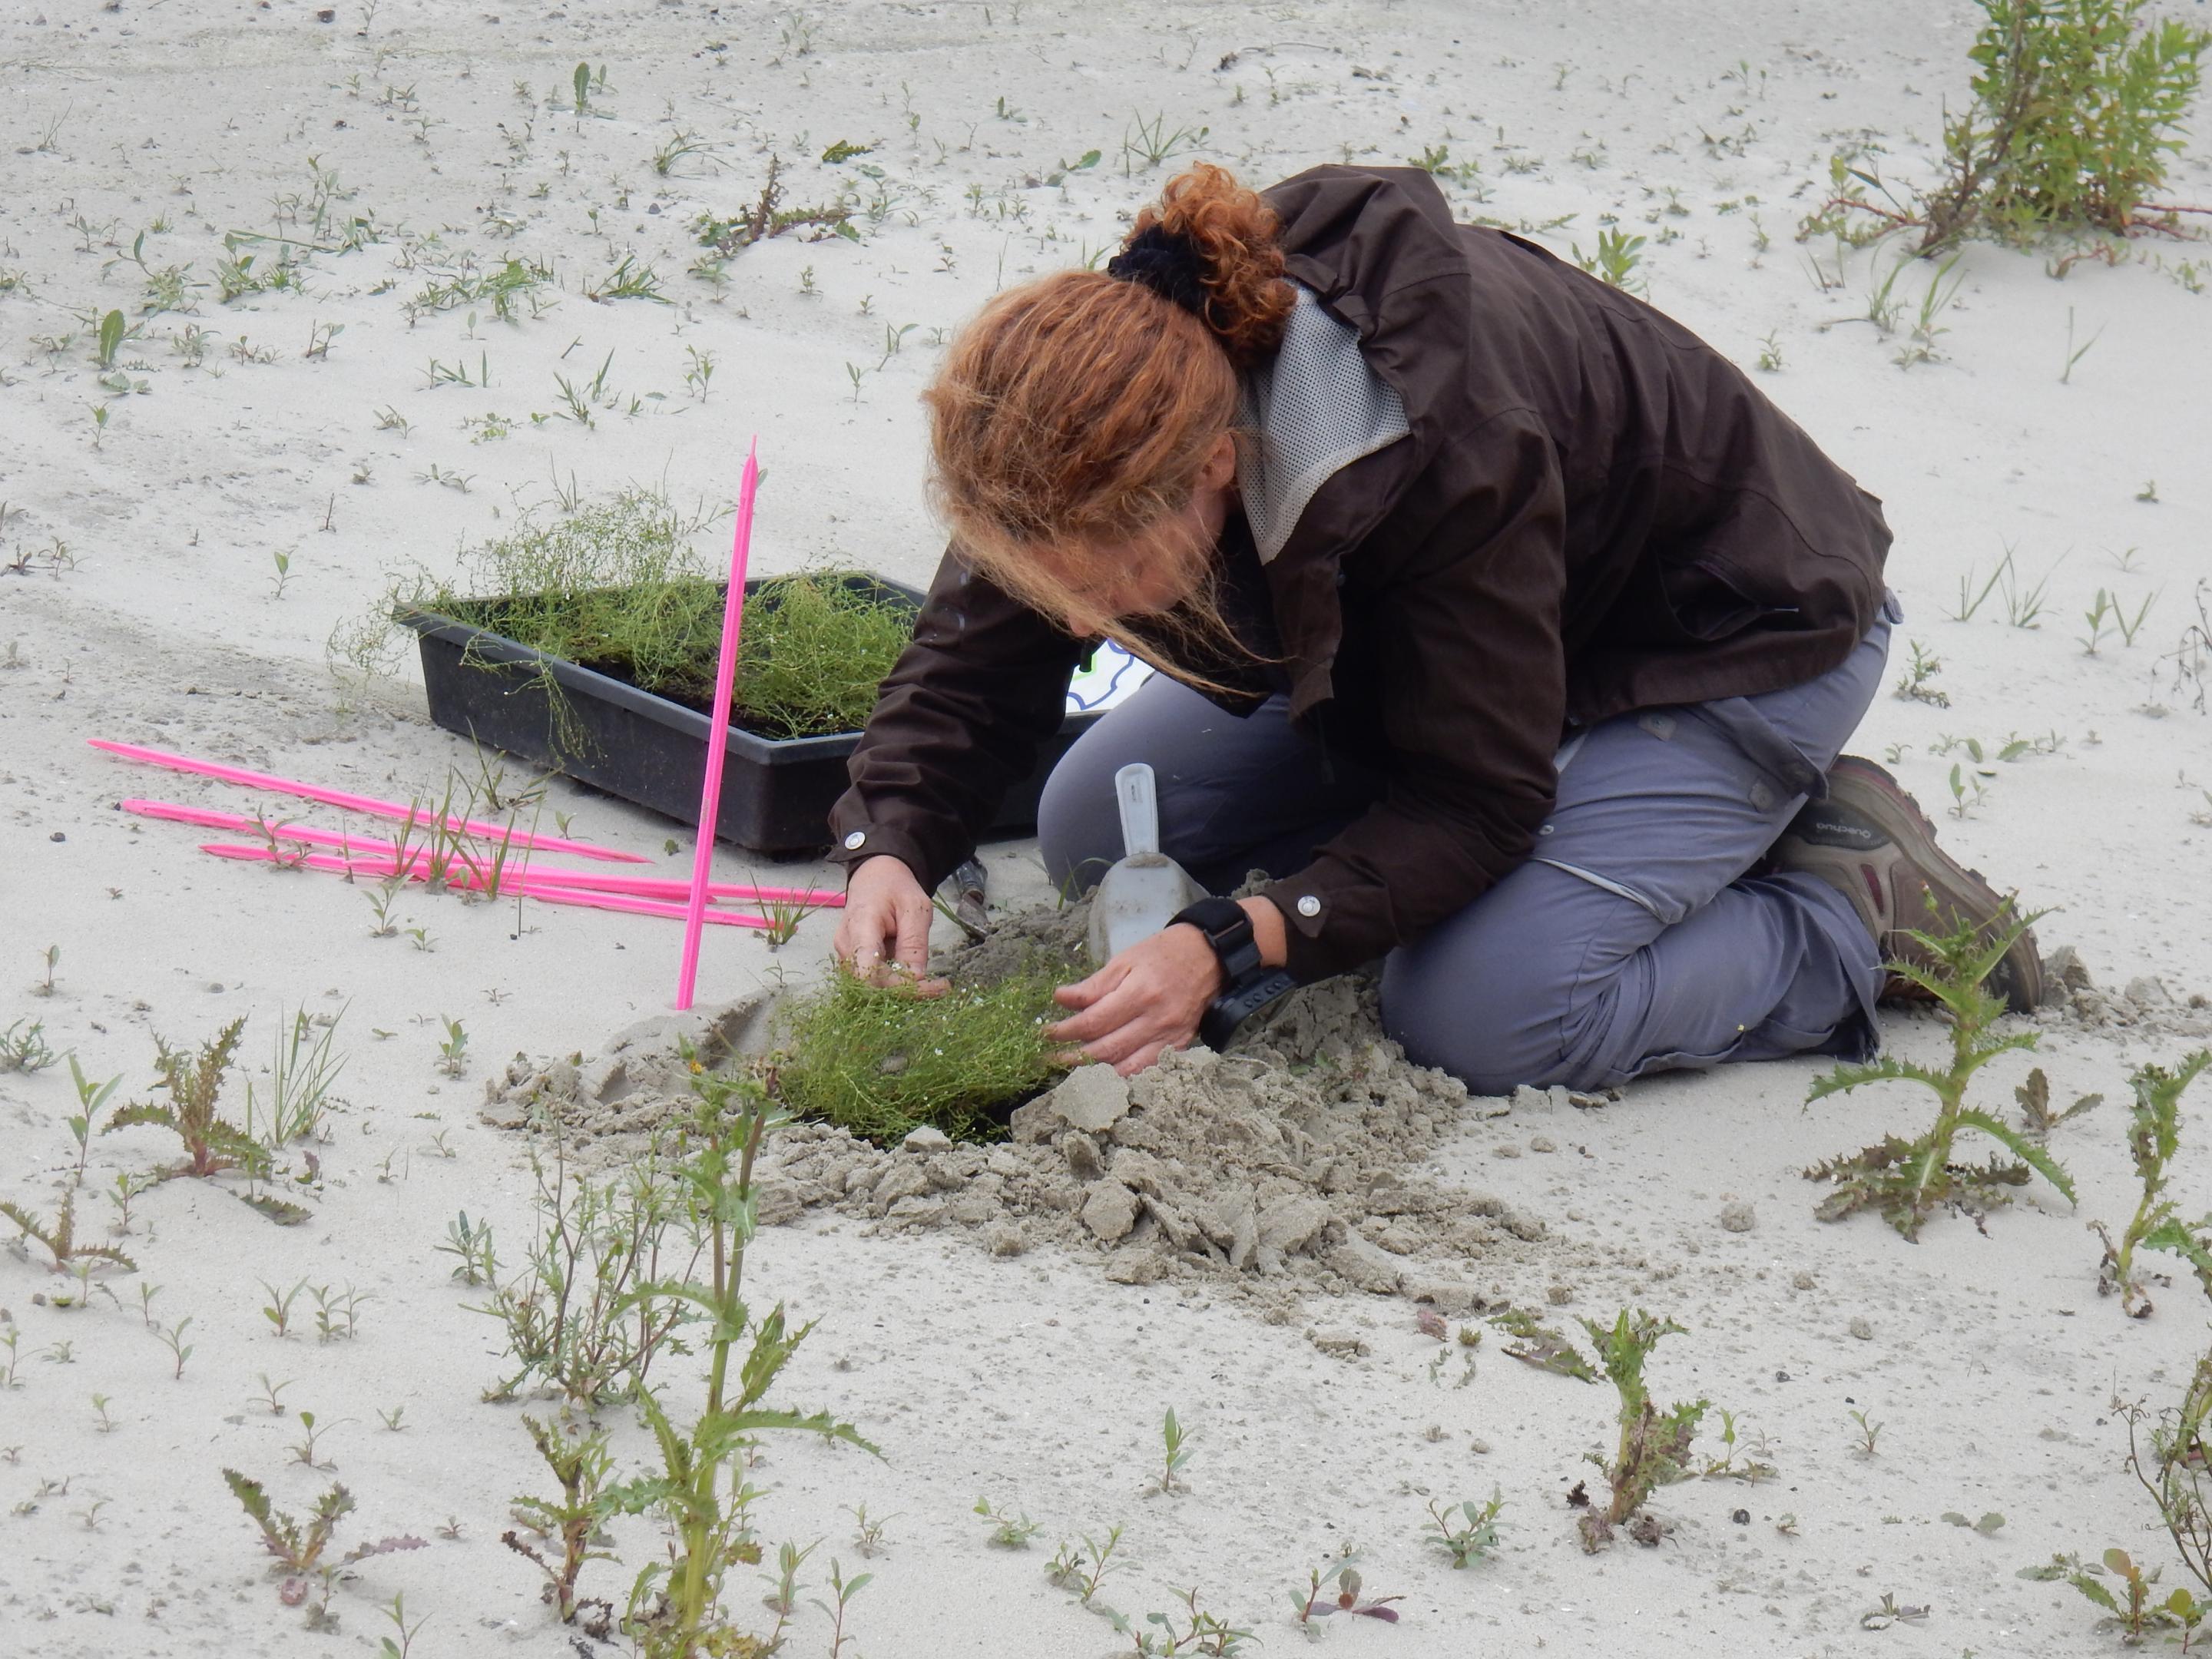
(776, 793)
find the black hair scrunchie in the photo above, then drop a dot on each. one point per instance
(1168, 265)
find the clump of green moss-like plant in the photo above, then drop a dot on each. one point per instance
(1906, 1179)
(883, 1061)
(615, 586)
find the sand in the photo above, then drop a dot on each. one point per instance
(1037, 1376)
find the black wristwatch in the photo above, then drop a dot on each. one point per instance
(1247, 986)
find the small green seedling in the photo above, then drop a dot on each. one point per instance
(471, 1243)
(91, 1097)
(1202, 1632)
(1906, 1180)
(2154, 1135)
(1869, 1433)
(2036, 1117)
(1913, 686)
(103, 1421)
(1615, 261)
(310, 1438)
(173, 1337)
(1467, 1532)
(867, 1529)
(110, 339)
(1989, 1526)
(452, 1052)
(278, 1309)
(23, 1048)
(1082, 1570)
(270, 1394)
(396, 1613)
(1008, 1530)
(59, 1236)
(1654, 1446)
(1335, 1587)
(1176, 1442)
(843, 1589)
(1751, 1471)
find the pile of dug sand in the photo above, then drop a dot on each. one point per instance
(1290, 1164)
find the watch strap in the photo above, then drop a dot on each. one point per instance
(1238, 1002)
(1228, 931)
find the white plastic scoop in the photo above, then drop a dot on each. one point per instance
(1143, 890)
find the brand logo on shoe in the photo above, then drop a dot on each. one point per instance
(1838, 829)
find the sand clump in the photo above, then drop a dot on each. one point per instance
(1291, 1163)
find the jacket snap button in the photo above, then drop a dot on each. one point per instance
(855, 841)
(1308, 906)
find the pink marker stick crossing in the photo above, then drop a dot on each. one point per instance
(718, 729)
(368, 804)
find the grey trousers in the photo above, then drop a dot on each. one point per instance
(1631, 940)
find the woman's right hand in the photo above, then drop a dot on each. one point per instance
(882, 934)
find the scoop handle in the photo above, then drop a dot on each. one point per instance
(1135, 792)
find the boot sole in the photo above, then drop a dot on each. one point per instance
(1964, 893)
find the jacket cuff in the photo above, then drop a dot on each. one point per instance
(861, 841)
(1316, 943)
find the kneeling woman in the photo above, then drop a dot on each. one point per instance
(1507, 628)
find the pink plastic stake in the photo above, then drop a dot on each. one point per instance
(382, 808)
(418, 868)
(718, 729)
(659, 887)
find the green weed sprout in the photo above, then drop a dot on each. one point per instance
(1467, 1532)
(1907, 1180)
(1177, 1442)
(194, 1082)
(580, 1462)
(574, 1316)
(1335, 1587)
(2175, 1469)
(1654, 1446)
(2136, 1615)
(299, 1547)
(59, 1236)
(1008, 1530)
(1083, 1571)
(23, 1048)
(1202, 1632)
(2154, 1133)
(883, 1060)
(731, 1117)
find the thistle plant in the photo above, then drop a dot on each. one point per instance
(1906, 1180)
(299, 1547)
(700, 1486)
(563, 1527)
(194, 1082)
(59, 1236)
(2153, 1134)
(1654, 1446)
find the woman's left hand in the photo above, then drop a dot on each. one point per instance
(1149, 997)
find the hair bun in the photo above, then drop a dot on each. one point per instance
(1232, 232)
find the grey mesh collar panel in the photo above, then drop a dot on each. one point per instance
(1314, 409)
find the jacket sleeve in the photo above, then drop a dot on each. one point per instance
(1473, 699)
(981, 685)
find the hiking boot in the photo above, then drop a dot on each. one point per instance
(1870, 841)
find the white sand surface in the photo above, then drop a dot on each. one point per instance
(1033, 1380)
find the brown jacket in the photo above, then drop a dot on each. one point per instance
(1592, 512)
